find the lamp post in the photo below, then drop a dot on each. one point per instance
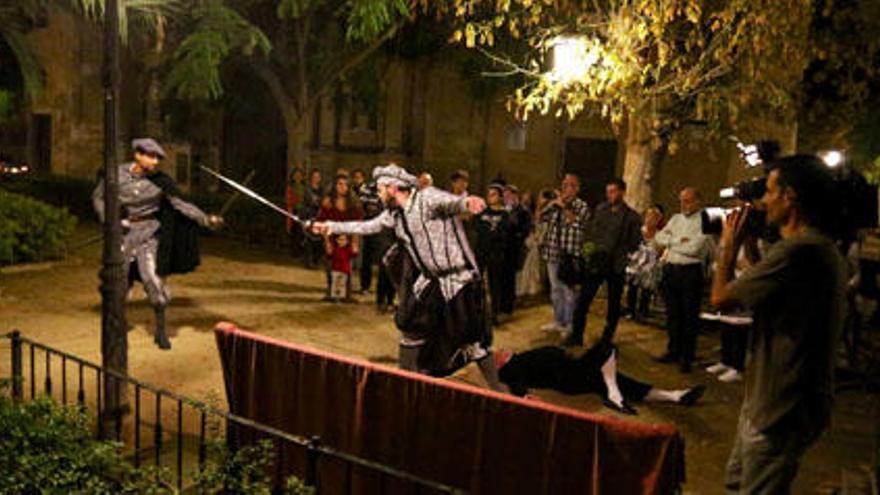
(114, 338)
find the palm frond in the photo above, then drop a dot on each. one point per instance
(219, 31)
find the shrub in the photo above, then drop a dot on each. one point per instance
(30, 229)
(48, 448)
(71, 193)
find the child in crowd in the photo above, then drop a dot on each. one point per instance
(340, 252)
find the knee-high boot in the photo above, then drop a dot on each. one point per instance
(161, 337)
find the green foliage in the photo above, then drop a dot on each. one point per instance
(715, 59)
(18, 17)
(61, 191)
(367, 19)
(30, 229)
(217, 32)
(47, 448)
(314, 43)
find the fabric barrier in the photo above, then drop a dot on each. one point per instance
(456, 434)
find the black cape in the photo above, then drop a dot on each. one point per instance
(178, 234)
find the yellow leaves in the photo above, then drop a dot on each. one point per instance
(470, 35)
(456, 36)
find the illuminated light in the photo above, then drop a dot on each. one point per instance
(832, 158)
(572, 58)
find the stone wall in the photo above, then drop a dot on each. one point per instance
(429, 121)
(70, 50)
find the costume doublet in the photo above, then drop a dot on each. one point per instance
(141, 199)
(446, 282)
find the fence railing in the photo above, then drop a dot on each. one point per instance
(182, 439)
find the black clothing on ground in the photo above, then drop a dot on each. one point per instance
(683, 285)
(552, 367)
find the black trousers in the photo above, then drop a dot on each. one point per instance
(588, 291)
(683, 285)
(733, 345)
(384, 287)
(498, 294)
(314, 252)
(369, 253)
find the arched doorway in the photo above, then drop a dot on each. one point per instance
(254, 134)
(13, 108)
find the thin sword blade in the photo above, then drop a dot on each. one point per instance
(244, 190)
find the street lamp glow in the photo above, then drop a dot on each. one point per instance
(832, 158)
(572, 58)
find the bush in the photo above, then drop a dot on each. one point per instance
(48, 448)
(30, 229)
(57, 190)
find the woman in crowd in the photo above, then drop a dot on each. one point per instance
(644, 272)
(340, 205)
(530, 280)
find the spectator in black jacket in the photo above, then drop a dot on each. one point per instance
(615, 232)
(494, 236)
(521, 227)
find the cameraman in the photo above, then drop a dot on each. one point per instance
(797, 296)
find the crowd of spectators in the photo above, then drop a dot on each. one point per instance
(552, 243)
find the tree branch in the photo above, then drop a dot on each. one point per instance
(353, 62)
(276, 87)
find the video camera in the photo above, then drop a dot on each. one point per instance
(853, 204)
(749, 191)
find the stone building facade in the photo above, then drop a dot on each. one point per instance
(428, 120)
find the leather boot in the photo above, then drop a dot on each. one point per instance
(161, 337)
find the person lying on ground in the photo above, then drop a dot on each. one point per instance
(592, 371)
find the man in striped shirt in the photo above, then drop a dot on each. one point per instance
(448, 288)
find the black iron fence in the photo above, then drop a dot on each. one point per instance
(176, 426)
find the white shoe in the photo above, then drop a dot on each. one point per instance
(730, 376)
(718, 368)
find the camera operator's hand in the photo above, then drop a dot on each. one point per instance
(734, 232)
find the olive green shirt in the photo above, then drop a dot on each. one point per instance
(797, 294)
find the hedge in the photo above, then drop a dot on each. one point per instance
(31, 230)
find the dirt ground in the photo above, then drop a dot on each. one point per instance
(262, 289)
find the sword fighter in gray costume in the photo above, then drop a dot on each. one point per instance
(151, 206)
(445, 319)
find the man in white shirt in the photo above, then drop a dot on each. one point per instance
(686, 251)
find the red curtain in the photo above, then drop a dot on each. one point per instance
(462, 436)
